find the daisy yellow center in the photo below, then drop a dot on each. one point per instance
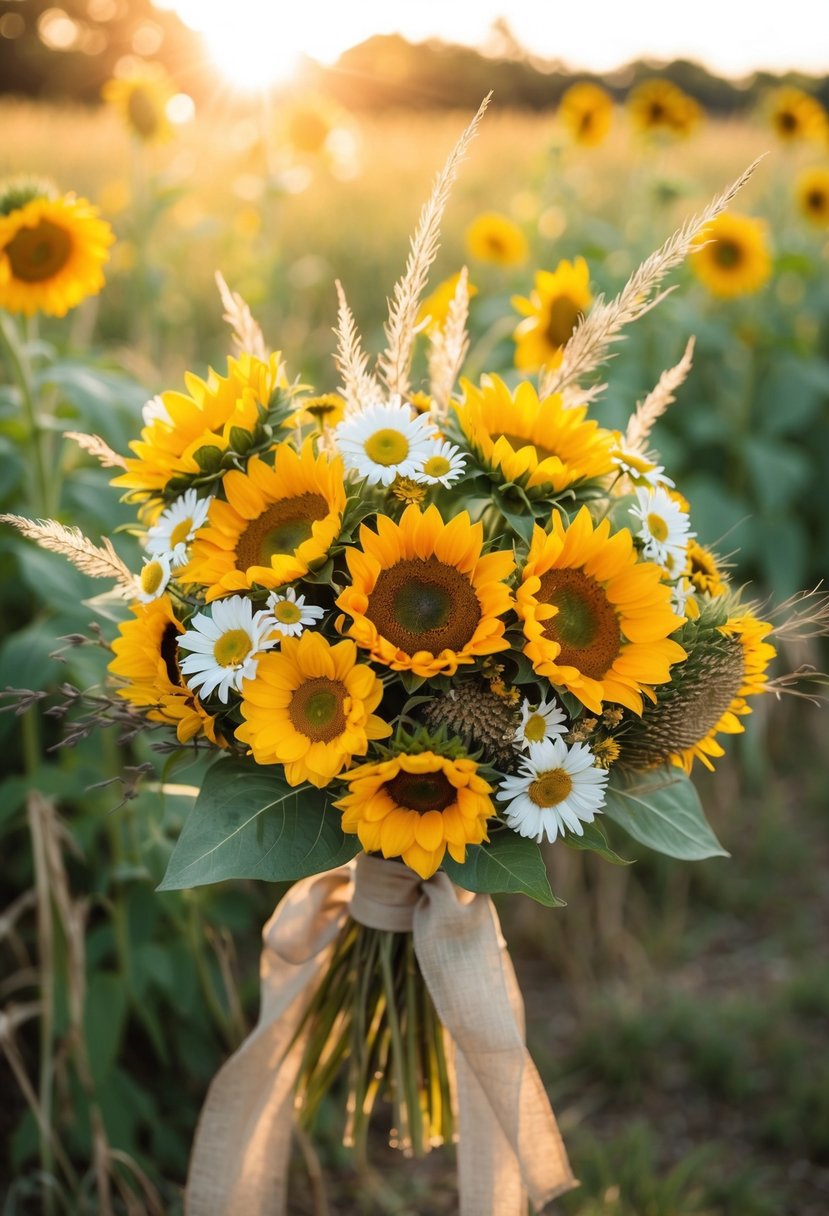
(551, 788)
(287, 613)
(424, 605)
(232, 648)
(437, 466)
(39, 253)
(421, 792)
(535, 729)
(727, 254)
(152, 576)
(316, 709)
(387, 447)
(564, 313)
(657, 527)
(282, 528)
(586, 626)
(180, 532)
(168, 649)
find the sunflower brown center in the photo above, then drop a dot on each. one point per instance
(564, 313)
(316, 709)
(168, 649)
(281, 529)
(816, 201)
(586, 121)
(38, 253)
(787, 121)
(143, 112)
(517, 442)
(727, 254)
(551, 788)
(585, 626)
(496, 244)
(421, 792)
(424, 605)
(656, 112)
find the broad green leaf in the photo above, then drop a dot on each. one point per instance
(593, 840)
(509, 863)
(248, 823)
(662, 810)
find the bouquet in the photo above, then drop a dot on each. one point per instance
(424, 629)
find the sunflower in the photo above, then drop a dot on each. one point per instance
(418, 808)
(492, 237)
(586, 110)
(796, 115)
(141, 97)
(310, 709)
(182, 428)
(146, 658)
(732, 256)
(596, 620)
(323, 411)
(812, 191)
(659, 107)
(434, 310)
(537, 442)
(723, 701)
(51, 254)
(551, 313)
(276, 524)
(703, 572)
(422, 597)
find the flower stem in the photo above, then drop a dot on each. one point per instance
(15, 354)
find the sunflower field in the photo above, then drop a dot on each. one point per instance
(676, 1009)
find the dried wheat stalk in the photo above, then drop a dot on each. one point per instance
(449, 347)
(657, 401)
(99, 562)
(247, 334)
(359, 387)
(97, 447)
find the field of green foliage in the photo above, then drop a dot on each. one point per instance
(677, 1011)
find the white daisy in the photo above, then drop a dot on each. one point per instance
(291, 613)
(384, 441)
(665, 527)
(155, 410)
(224, 647)
(444, 465)
(557, 790)
(153, 579)
(641, 470)
(544, 722)
(177, 525)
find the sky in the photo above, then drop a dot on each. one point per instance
(261, 41)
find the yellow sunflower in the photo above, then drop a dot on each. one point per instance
(183, 425)
(550, 314)
(812, 191)
(417, 808)
(146, 658)
(492, 237)
(141, 97)
(536, 442)
(323, 411)
(310, 709)
(659, 107)
(51, 254)
(586, 110)
(725, 702)
(277, 523)
(797, 115)
(422, 597)
(434, 310)
(703, 572)
(596, 620)
(732, 255)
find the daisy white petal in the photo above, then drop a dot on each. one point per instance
(385, 441)
(545, 721)
(445, 464)
(177, 525)
(557, 789)
(291, 613)
(641, 470)
(665, 527)
(222, 649)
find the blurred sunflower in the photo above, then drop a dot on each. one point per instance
(812, 192)
(796, 115)
(324, 411)
(703, 572)
(596, 620)
(586, 109)
(492, 237)
(422, 596)
(732, 255)
(141, 96)
(551, 313)
(435, 308)
(659, 107)
(52, 250)
(417, 807)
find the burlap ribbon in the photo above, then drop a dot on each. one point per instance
(509, 1143)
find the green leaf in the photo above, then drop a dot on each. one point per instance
(509, 863)
(661, 809)
(247, 822)
(593, 840)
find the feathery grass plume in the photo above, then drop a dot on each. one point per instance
(99, 562)
(97, 447)
(247, 334)
(449, 347)
(359, 387)
(657, 401)
(587, 347)
(395, 362)
(806, 615)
